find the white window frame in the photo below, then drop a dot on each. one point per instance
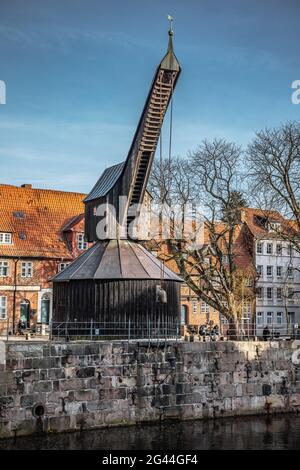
(279, 291)
(3, 307)
(260, 269)
(82, 245)
(194, 306)
(290, 294)
(27, 269)
(290, 272)
(270, 269)
(204, 307)
(4, 265)
(5, 238)
(260, 318)
(63, 266)
(269, 246)
(280, 270)
(269, 289)
(279, 249)
(260, 293)
(269, 318)
(259, 248)
(279, 315)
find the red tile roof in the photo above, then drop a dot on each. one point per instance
(46, 213)
(258, 229)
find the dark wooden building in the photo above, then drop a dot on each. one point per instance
(117, 288)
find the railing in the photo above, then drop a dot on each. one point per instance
(265, 331)
(109, 331)
(10, 329)
(96, 331)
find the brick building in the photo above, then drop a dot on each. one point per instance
(40, 232)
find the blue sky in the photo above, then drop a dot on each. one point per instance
(77, 73)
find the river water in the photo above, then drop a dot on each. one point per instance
(253, 433)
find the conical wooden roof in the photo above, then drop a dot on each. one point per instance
(116, 259)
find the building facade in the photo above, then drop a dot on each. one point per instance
(277, 265)
(41, 231)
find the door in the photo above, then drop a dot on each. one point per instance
(25, 313)
(45, 309)
(184, 314)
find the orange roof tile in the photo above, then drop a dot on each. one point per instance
(251, 217)
(46, 212)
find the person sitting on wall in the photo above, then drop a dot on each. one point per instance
(266, 333)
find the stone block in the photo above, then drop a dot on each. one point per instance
(59, 423)
(71, 384)
(29, 400)
(42, 386)
(85, 372)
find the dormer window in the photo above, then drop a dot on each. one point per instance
(274, 226)
(81, 243)
(5, 238)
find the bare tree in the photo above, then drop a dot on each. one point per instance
(213, 270)
(274, 176)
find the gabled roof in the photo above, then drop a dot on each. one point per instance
(105, 182)
(116, 259)
(44, 213)
(254, 218)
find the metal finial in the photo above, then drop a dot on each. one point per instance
(171, 19)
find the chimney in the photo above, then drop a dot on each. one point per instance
(26, 186)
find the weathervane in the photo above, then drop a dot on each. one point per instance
(171, 19)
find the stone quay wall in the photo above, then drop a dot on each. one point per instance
(57, 387)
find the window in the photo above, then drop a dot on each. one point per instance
(269, 270)
(290, 272)
(81, 243)
(5, 238)
(260, 292)
(269, 293)
(195, 305)
(259, 248)
(279, 293)
(204, 307)
(246, 311)
(269, 248)
(19, 215)
(279, 249)
(62, 266)
(279, 271)
(279, 318)
(3, 308)
(260, 270)
(290, 250)
(4, 268)
(26, 269)
(259, 318)
(225, 259)
(291, 294)
(269, 318)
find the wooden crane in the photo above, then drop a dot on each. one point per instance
(130, 178)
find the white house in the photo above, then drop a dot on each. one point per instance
(278, 267)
